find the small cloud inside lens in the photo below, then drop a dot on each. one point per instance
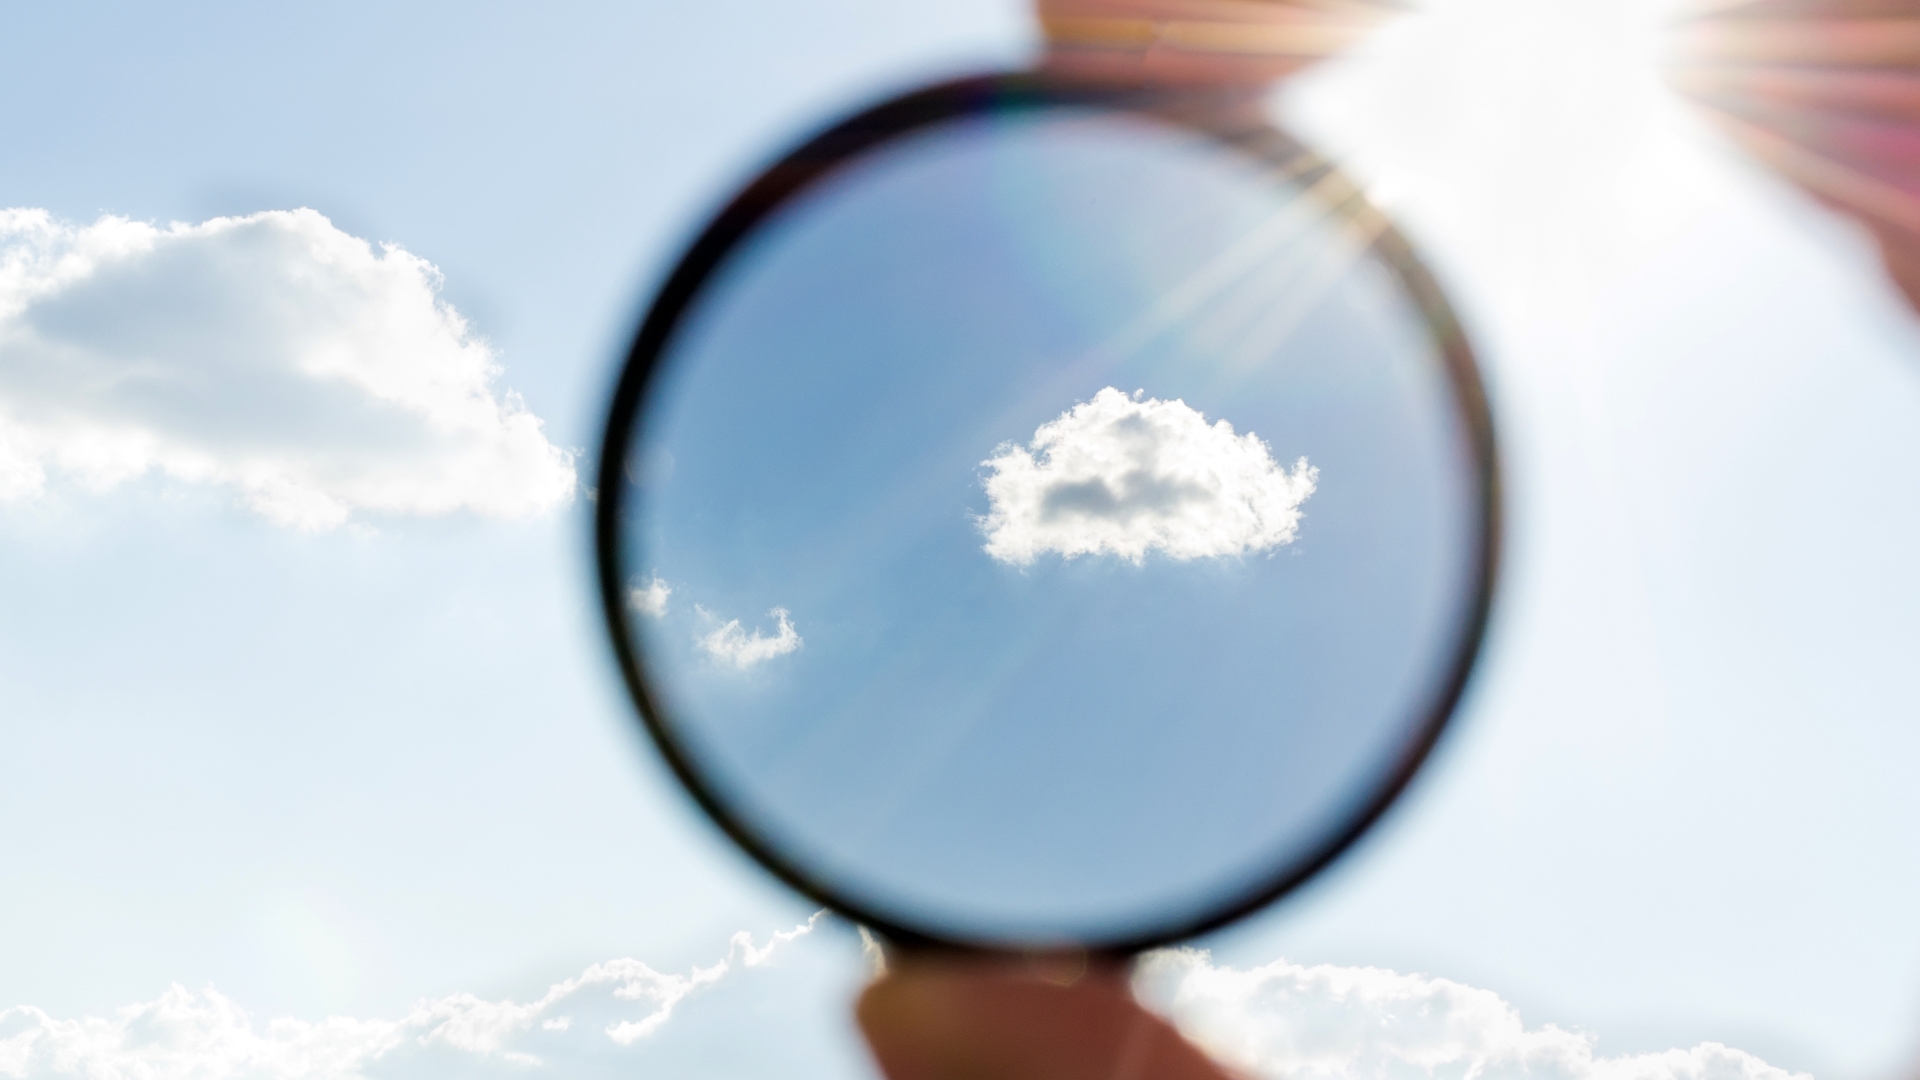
(1126, 475)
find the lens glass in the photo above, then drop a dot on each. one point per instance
(1052, 526)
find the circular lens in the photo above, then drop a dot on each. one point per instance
(1029, 520)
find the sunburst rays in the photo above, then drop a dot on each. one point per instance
(1203, 41)
(1827, 92)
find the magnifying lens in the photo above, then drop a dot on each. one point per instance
(1043, 512)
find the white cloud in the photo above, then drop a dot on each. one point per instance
(650, 597)
(274, 355)
(1124, 476)
(1340, 1023)
(623, 1018)
(586, 1024)
(730, 644)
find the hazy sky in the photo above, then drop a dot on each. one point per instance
(302, 719)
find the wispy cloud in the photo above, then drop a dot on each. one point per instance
(1126, 476)
(187, 1035)
(650, 597)
(730, 643)
(314, 374)
(1338, 1023)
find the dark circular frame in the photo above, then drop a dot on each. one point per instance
(1226, 117)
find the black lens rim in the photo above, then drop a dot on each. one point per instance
(1228, 120)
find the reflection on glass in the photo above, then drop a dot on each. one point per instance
(1051, 525)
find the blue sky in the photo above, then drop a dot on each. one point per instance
(343, 772)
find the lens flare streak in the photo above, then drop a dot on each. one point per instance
(1828, 94)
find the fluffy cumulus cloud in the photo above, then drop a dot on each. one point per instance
(731, 644)
(1340, 1023)
(1125, 476)
(314, 374)
(593, 1024)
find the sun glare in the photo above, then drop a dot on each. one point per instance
(1495, 114)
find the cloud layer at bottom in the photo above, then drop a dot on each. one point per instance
(1277, 1020)
(1310, 1023)
(596, 1023)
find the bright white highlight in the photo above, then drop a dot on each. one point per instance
(1308, 1023)
(313, 374)
(730, 644)
(1123, 476)
(650, 598)
(579, 1027)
